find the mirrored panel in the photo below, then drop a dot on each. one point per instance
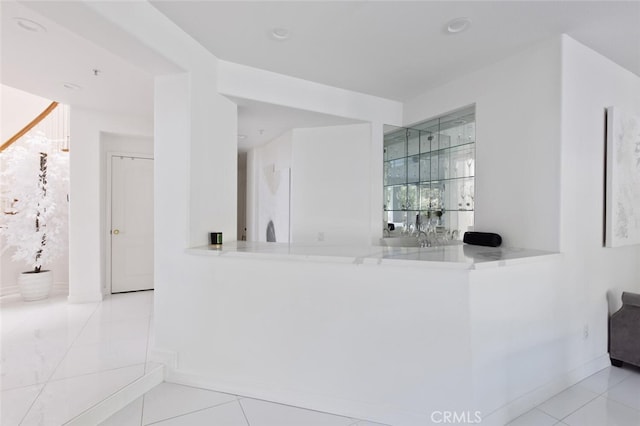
(429, 175)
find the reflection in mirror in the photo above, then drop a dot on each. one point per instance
(429, 180)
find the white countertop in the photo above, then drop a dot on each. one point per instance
(459, 256)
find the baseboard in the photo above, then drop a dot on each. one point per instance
(374, 413)
(85, 298)
(120, 399)
(168, 358)
(521, 405)
(60, 287)
(297, 398)
(14, 289)
(9, 290)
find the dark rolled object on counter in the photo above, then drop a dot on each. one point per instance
(488, 239)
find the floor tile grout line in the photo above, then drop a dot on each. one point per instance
(104, 399)
(627, 376)
(142, 409)
(73, 342)
(22, 387)
(295, 406)
(602, 394)
(580, 407)
(58, 365)
(146, 361)
(536, 409)
(246, 419)
(146, 351)
(75, 376)
(191, 412)
(621, 403)
(66, 353)
(547, 399)
(209, 390)
(98, 372)
(608, 388)
(49, 380)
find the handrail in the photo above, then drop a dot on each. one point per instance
(29, 126)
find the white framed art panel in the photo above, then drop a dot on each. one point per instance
(622, 223)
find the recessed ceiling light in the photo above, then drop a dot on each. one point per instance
(458, 25)
(242, 136)
(29, 25)
(71, 86)
(280, 33)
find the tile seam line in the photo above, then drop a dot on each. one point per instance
(59, 363)
(146, 352)
(246, 419)
(577, 409)
(98, 372)
(141, 411)
(605, 396)
(108, 396)
(620, 402)
(208, 390)
(146, 359)
(190, 412)
(536, 409)
(300, 408)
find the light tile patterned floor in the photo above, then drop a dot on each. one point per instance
(611, 397)
(59, 360)
(171, 404)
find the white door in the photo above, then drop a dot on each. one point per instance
(131, 224)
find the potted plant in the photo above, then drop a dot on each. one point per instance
(35, 179)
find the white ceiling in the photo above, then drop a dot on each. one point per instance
(390, 49)
(43, 62)
(399, 49)
(258, 122)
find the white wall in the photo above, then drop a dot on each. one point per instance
(17, 109)
(540, 183)
(195, 176)
(275, 155)
(590, 84)
(518, 142)
(87, 202)
(331, 178)
(330, 182)
(213, 164)
(364, 340)
(518, 335)
(246, 82)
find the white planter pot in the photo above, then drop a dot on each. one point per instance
(35, 286)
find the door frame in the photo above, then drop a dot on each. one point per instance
(107, 235)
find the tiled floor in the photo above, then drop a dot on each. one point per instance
(171, 404)
(611, 397)
(59, 360)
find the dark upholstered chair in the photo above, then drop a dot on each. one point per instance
(624, 332)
